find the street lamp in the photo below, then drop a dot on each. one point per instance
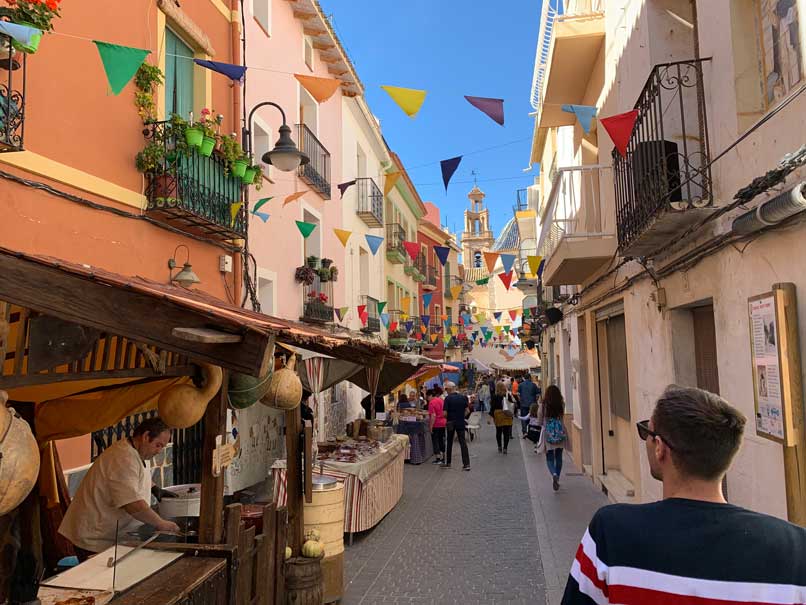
(285, 156)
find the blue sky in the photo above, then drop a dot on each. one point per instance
(450, 48)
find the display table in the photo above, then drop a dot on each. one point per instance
(420, 438)
(372, 486)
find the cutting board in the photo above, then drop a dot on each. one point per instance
(94, 574)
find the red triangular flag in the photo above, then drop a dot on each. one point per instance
(506, 278)
(361, 309)
(393, 326)
(513, 314)
(620, 129)
(413, 248)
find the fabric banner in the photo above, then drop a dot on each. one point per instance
(620, 127)
(363, 317)
(534, 263)
(234, 210)
(455, 330)
(345, 186)
(233, 72)
(409, 326)
(448, 168)
(392, 326)
(341, 312)
(507, 328)
(526, 313)
(442, 253)
(361, 309)
(389, 181)
(426, 319)
(120, 63)
(408, 99)
(507, 260)
(385, 319)
(427, 300)
(434, 338)
(494, 108)
(343, 235)
(497, 315)
(413, 248)
(320, 89)
(480, 317)
(455, 292)
(583, 113)
(19, 33)
(444, 317)
(497, 329)
(490, 258)
(381, 306)
(263, 216)
(260, 203)
(506, 278)
(305, 228)
(423, 328)
(483, 281)
(513, 314)
(293, 196)
(374, 242)
(405, 303)
(446, 339)
(541, 267)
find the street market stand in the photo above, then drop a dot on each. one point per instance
(421, 448)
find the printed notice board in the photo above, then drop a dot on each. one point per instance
(766, 367)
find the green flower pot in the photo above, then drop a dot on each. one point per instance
(249, 176)
(239, 168)
(194, 136)
(32, 46)
(207, 146)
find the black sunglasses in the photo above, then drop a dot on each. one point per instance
(644, 432)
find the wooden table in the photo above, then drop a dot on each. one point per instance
(193, 580)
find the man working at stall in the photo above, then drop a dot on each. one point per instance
(116, 492)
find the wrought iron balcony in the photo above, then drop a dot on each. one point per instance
(430, 282)
(190, 191)
(419, 268)
(12, 96)
(663, 185)
(317, 301)
(316, 172)
(370, 202)
(395, 236)
(373, 318)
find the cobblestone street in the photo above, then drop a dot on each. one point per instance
(497, 534)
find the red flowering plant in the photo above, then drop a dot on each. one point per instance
(37, 13)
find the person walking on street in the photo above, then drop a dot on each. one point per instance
(454, 411)
(527, 396)
(437, 423)
(502, 416)
(553, 434)
(535, 428)
(484, 396)
(692, 545)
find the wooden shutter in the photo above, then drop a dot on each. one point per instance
(705, 349)
(178, 76)
(617, 366)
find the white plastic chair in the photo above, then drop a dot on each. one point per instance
(473, 424)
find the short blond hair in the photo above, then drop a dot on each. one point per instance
(500, 388)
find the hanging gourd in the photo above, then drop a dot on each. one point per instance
(19, 458)
(285, 389)
(182, 405)
(245, 390)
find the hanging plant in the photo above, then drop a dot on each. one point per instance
(146, 80)
(305, 275)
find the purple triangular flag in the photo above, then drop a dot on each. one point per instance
(345, 186)
(448, 168)
(442, 253)
(233, 72)
(494, 108)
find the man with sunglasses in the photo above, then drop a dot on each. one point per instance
(692, 546)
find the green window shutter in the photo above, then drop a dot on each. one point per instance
(178, 76)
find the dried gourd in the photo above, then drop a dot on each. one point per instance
(183, 405)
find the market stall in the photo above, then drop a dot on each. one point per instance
(415, 424)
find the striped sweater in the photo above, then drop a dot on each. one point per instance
(688, 552)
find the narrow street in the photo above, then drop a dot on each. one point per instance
(497, 534)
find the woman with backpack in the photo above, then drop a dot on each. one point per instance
(554, 434)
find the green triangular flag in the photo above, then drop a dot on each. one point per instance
(482, 281)
(260, 203)
(305, 228)
(381, 306)
(120, 63)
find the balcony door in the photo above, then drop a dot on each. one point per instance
(178, 76)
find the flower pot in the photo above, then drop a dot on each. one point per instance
(249, 176)
(324, 275)
(194, 136)
(326, 262)
(10, 59)
(312, 262)
(32, 45)
(239, 168)
(207, 146)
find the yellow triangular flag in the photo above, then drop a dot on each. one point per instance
(343, 235)
(490, 258)
(293, 196)
(408, 99)
(234, 209)
(390, 181)
(455, 291)
(497, 329)
(454, 330)
(404, 317)
(320, 89)
(434, 337)
(534, 263)
(405, 302)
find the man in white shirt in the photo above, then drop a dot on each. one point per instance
(116, 492)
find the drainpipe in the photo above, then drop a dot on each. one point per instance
(235, 58)
(773, 211)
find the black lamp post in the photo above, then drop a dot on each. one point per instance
(285, 156)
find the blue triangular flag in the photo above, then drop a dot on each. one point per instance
(261, 215)
(448, 168)
(409, 326)
(541, 267)
(442, 253)
(584, 114)
(374, 242)
(507, 260)
(426, 319)
(385, 319)
(427, 300)
(233, 72)
(497, 315)
(20, 33)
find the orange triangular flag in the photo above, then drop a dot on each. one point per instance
(343, 235)
(293, 196)
(390, 181)
(490, 258)
(320, 89)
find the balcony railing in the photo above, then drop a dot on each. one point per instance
(395, 236)
(316, 172)
(370, 202)
(190, 191)
(12, 96)
(317, 301)
(373, 318)
(430, 282)
(667, 165)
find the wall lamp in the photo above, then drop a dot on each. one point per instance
(185, 277)
(285, 156)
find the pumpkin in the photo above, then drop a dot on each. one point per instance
(285, 390)
(287, 553)
(19, 454)
(313, 534)
(313, 549)
(183, 405)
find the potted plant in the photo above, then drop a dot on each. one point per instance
(324, 274)
(233, 155)
(209, 126)
(334, 273)
(146, 80)
(194, 134)
(33, 13)
(312, 261)
(305, 275)
(326, 262)
(151, 157)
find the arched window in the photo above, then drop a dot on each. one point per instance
(477, 260)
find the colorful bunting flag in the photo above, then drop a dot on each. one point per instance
(513, 314)
(408, 99)
(488, 336)
(456, 291)
(361, 309)
(442, 253)
(389, 182)
(385, 319)
(341, 312)
(427, 300)
(293, 196)
(381, 306)
(263, 216)
(444, 317)
(454, 330)
(345, 186)
(409, 326)
(620, 128)
(490, 258)
(483, 281)
(497, 329)
(260, 203)
(413, 248)
(494, 108)
(541, 267)
(584, 114)
(507, 328)
(405, 303)
(418, 336)
(480, 317)
(448, 167)
(507, 260)
(426, 319)
(534, 264)
(446, 339)
(393, 326)
(526, 313)
(374, 242)
(120, 63)
(423, 328)
(233, 72)
(320, 89)
(234, 209)
(434, 338)
(20, 33)
(506, 278)
(364, 317)
(305, 228)
(497, 315)
(343, 235)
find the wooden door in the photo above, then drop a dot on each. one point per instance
(705, 348)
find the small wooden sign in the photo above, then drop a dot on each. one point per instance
(223, 455)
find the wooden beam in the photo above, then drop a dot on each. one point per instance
(330, 60)
(294, 487)
(13, 382)
(205, 335)
(211, 515)
(303, 16)
(137, 316)
(324, 46)
(313, 31)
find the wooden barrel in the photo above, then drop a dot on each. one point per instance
(326, 514)
(303, 581)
